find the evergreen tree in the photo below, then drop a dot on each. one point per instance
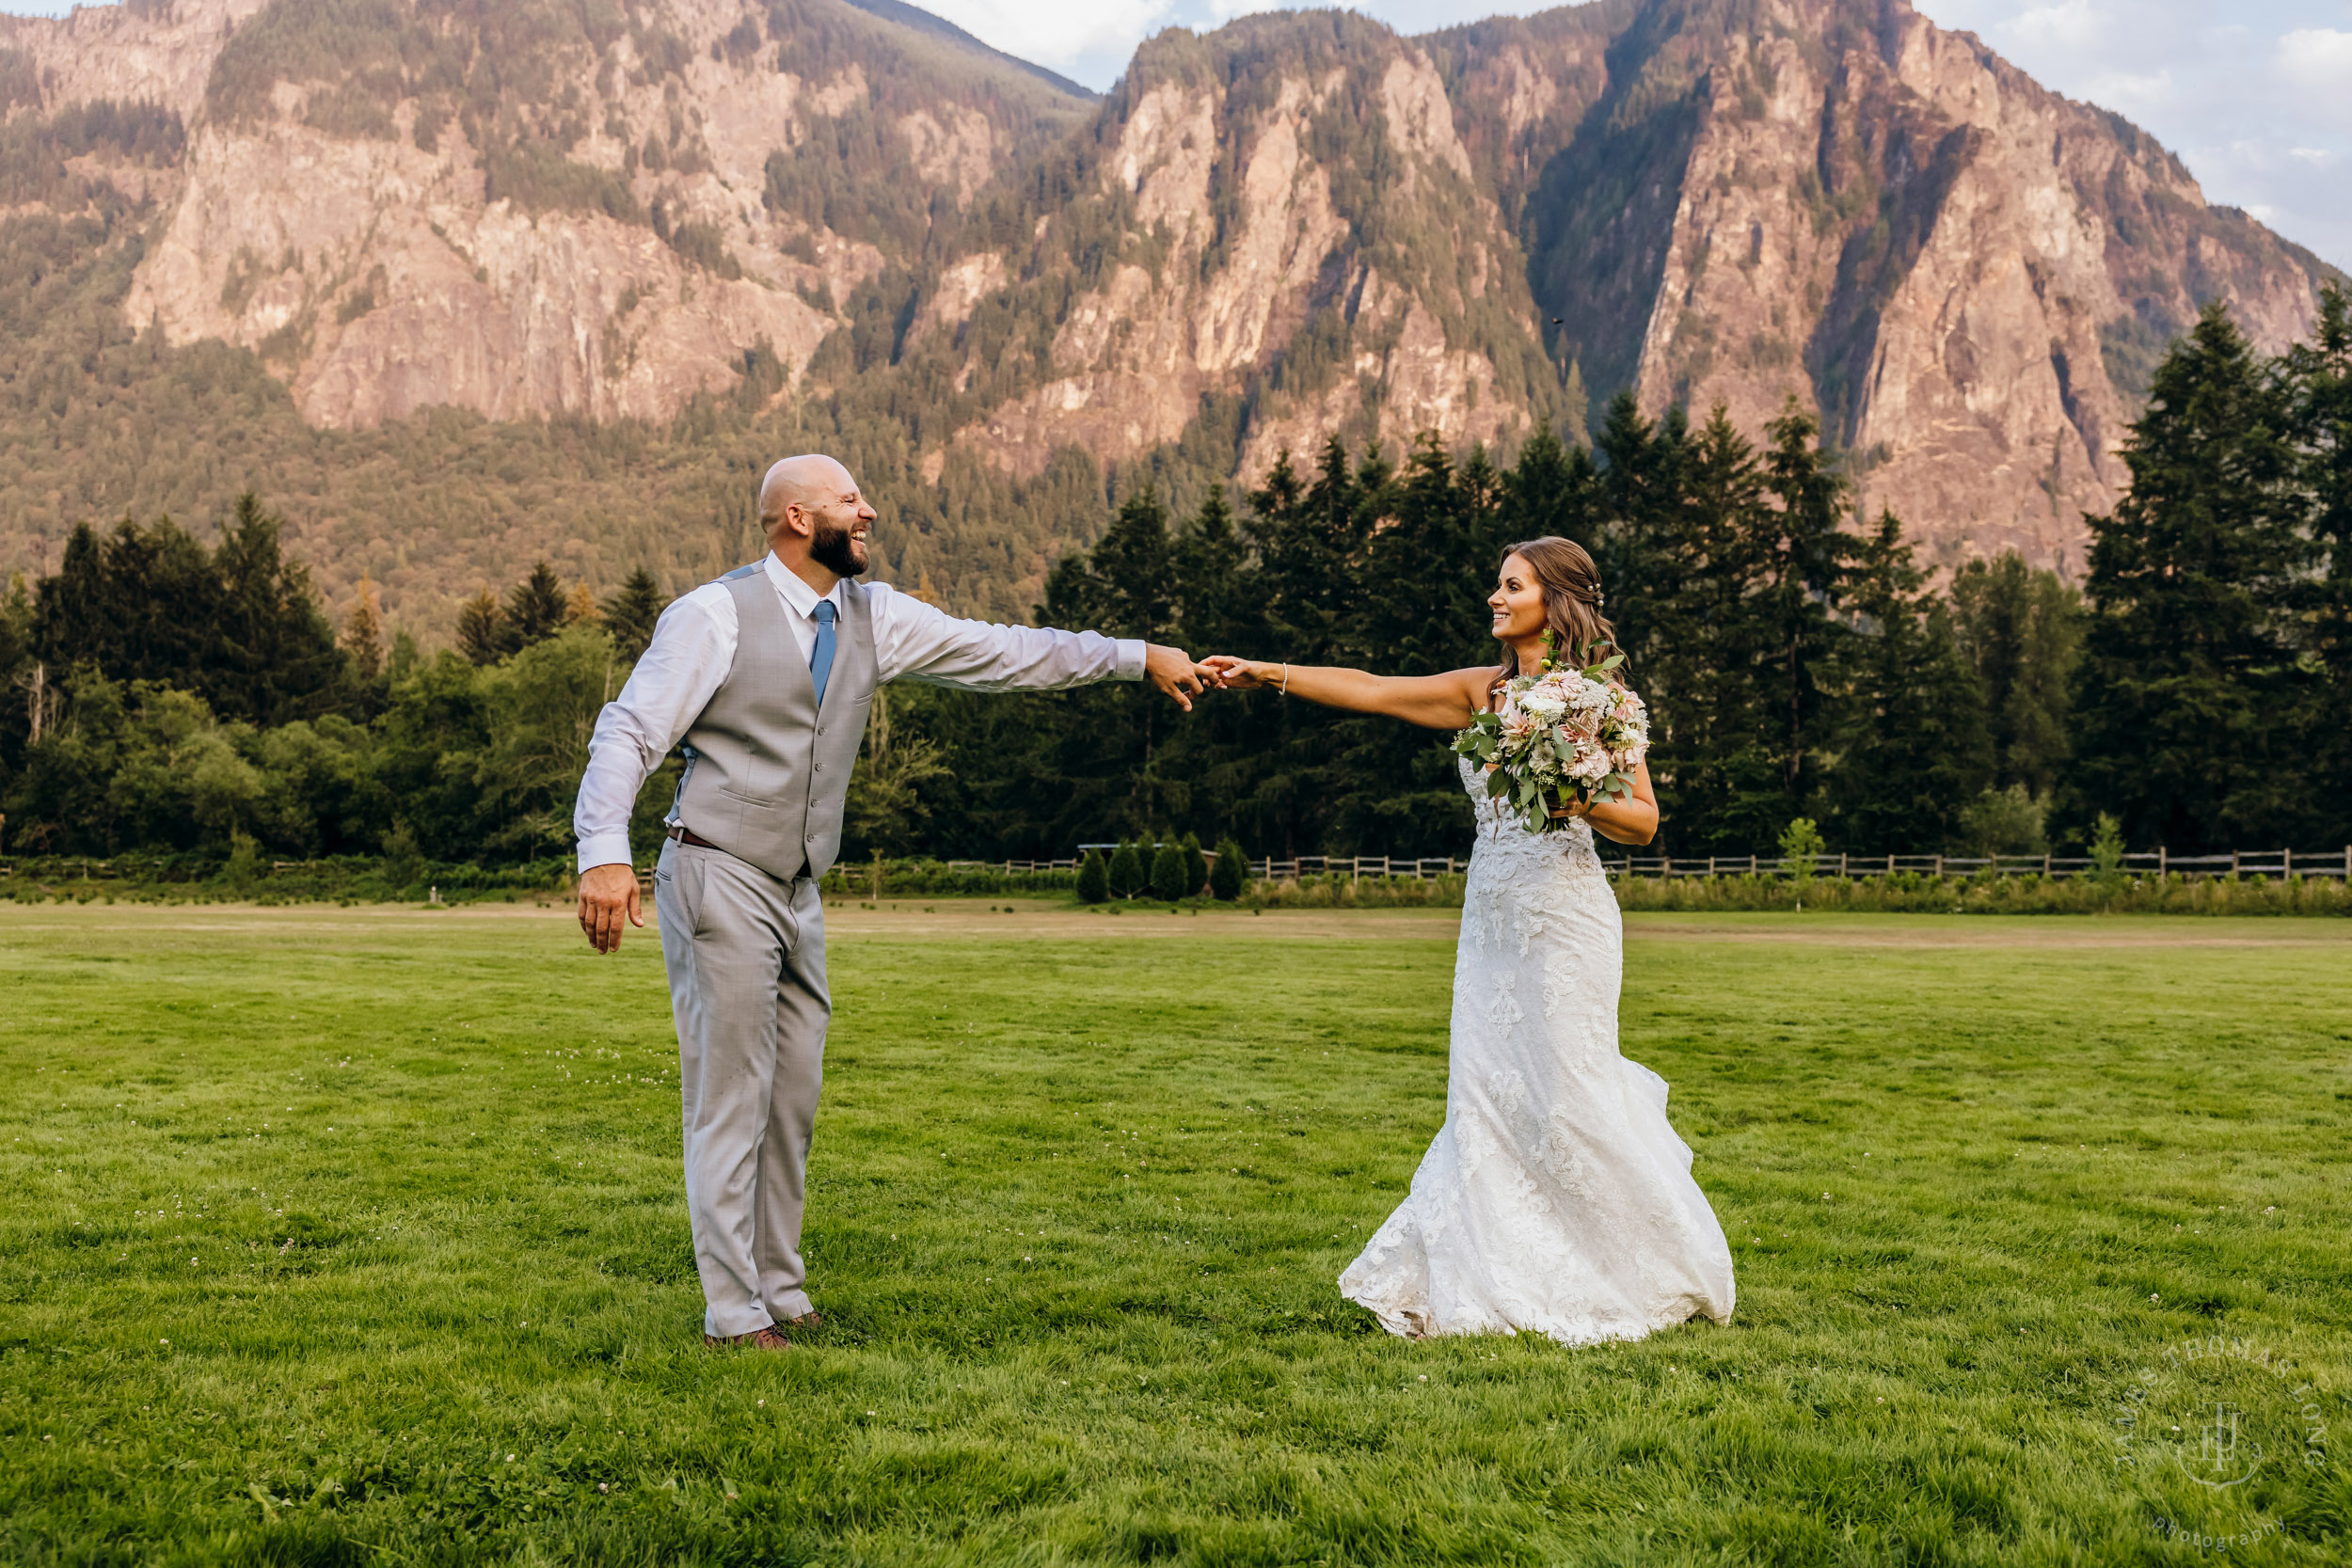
(2320, 375)
(1126, 873)
(1229, 872)
(1807, 567)
(141, 604)
(277, 656)
(1167, 874)
(1094, 881)
(631, 613)
(534, 610)
(16, 676)
(2188, 676)
(1195, 864)
(363, 635)
(1687, 544)
(479, 633)
(2020, 630)
(1912, 748)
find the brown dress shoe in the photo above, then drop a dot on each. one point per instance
(812, 1319)
(771, 1337)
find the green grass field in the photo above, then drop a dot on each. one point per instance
(358, 1236)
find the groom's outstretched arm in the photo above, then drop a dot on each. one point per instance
(914, 640)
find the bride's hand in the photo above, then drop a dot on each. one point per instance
(1236, 674)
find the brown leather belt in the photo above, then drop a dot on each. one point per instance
(695, 839)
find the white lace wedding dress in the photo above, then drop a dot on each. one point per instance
(1556, 1199)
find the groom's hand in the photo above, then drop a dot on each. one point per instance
(1172, 671)
(606, 893)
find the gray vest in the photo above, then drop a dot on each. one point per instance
(766, 767)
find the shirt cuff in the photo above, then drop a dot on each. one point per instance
(1129, 666)
(610, 849)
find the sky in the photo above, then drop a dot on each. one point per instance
(2255, 96)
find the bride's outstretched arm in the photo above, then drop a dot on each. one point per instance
(1445, 702)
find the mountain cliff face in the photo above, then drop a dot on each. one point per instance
(523, 207)
(1968, 276)
(306, 235)
(1272, 233)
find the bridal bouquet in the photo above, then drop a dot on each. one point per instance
(1562, 734)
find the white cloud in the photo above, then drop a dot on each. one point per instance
(2314, 65)
(1056, 32)
(2068, 24)
(2129, 94)
(2321, 57)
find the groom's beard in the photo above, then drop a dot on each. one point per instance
(837, 551)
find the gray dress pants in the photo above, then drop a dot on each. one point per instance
(746, 957)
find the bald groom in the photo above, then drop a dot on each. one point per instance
(766, 675)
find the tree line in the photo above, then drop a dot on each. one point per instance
(161, 696)
(1798, 661)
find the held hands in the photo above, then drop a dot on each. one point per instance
(607, 893)
(1239, 674)
(1173, 671)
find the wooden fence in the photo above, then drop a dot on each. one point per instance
(2236, 863)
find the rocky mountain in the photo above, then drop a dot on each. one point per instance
(462, 282)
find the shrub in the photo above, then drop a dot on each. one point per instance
(1126, 871)
(1168, 873)
(2106, 852)
(1229, 872)
(1800, 846)
(1094, 879)
(2005, 822)
(1195, 866)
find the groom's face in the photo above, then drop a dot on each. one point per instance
(838, 520)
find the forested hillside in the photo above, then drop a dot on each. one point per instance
(459, 286)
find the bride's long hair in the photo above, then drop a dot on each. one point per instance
(1572, 601)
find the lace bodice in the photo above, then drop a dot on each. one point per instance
(1556, 1197)
(1501, 837)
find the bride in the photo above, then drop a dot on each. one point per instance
(1556, 1197)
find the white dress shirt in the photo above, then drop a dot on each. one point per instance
(693, 647)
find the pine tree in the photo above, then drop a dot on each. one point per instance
(1167, 874)
(1229, 872)
(1912, 752)
(363, 635)
(1094, 881)
(630, 615)
(533, 611)
(1126, 873)
(274, 656)
(1688, 563)
(2188, 675)
(141, 602)
(478, 628)
(1807, 562)
(1195, 864)
(579, 604)
(2320, 375)
(2020, 628)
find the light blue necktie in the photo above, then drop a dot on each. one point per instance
(821, 657)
